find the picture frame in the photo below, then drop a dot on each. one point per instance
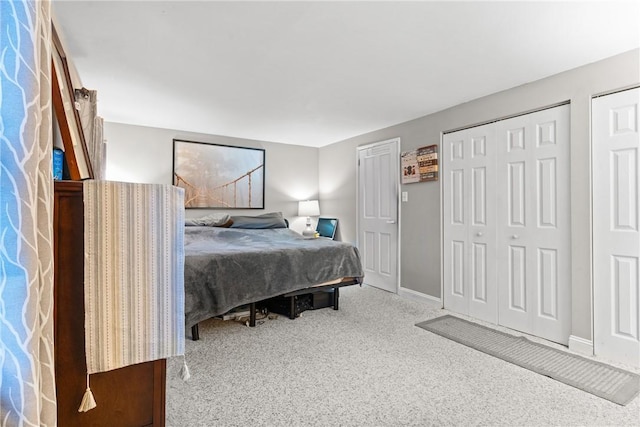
(217, 176)
(419, 165)
(67, 117)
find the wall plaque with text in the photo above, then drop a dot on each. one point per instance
(420, 165)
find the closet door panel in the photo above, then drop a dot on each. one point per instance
(469, 216)
(455, 209)
(616, 235)
(534, 276)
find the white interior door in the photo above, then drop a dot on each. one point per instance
(616, 239)
(470, 222)
(534, 232)
(378, 176)
(506, 223)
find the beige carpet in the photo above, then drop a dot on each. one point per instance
(366, 365)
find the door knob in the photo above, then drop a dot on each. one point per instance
(479, 233)
(390, 221)
(514, 236)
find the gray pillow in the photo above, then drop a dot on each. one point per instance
(268, 220)
(212, 220)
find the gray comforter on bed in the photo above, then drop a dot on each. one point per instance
(226, 267)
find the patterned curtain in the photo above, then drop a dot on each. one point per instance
(27, 387)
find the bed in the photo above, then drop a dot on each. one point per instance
(227, 268)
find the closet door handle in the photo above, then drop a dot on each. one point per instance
(390, 221)
(479, 234)
(514, 236)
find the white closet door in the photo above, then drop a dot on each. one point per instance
(469, 222)
(534, 231)
(506, 223)
(616, 239)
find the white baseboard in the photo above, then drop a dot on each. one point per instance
(420, 297)
(581, 345)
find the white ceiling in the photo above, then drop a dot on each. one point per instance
(312, 72)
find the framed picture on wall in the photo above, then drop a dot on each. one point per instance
(216, 176)
(420, 165)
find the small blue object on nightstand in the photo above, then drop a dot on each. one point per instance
(58, 160)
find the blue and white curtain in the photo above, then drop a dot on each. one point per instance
(27, 387)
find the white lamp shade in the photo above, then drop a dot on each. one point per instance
(308, 208)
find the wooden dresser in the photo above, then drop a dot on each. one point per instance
(130, 396)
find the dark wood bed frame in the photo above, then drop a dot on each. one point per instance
(195, 333)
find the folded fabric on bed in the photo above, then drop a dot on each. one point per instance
(226, 267)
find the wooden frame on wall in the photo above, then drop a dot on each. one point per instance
(75, 147)
(217, 176)
(420, 165)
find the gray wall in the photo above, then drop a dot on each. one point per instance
(145, 155)
(420, 216)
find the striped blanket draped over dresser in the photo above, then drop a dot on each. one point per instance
(134, 273)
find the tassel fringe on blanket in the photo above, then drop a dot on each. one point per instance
(88, 401)
(184, 372)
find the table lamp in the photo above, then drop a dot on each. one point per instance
(308, 208)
